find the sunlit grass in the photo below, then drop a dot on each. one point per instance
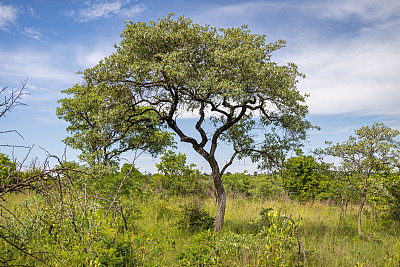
(326, 240)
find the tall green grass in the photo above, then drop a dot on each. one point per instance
(156, 237)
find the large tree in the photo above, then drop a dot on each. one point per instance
(223, 77)
(366, 158)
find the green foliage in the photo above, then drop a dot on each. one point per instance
(370, 154)
(193, 217)
(237, 249)
(265, 186)
(393, 259)
(162, 70)
(280, 241)
(392, 199)
(7, 170)
(200, 253)
(100, 132)
(6, 165)
(130, 181)
(366, 159)
(185, 67)
(237, 183)
(158, 242)
(178, 178)
(306, 179)
(274, 244)
(257, 186)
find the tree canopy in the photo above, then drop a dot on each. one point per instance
(101, 129)
(162, 71)
(366, 158)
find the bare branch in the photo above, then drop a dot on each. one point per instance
(12, 100)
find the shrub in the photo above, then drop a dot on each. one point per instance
(237, 183)
(193, 217)
(177, 178)
(392, 185)
(306, 179)
(267, 186)
(201, 253)
(7, 168)
(280, 242)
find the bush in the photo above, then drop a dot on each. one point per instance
(201, 253)
(194, 218)
(267, 186)
(7, 169)
(237, 183)
(306, 179)
(177, 178)
(280, 243)
(392, 185)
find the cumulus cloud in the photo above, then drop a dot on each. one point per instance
(359, 77)
(352, 66)
(99, 9)
(8, 15)
(354, 74)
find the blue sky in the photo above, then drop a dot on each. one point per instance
(348, 49)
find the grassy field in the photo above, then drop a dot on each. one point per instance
(156, 235)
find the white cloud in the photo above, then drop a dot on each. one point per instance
(8, 15)
(32, 33)
(234, 15)
(364, 10)
(352, 67)
(344, 129)
(246, 8)
(88, 56)
(34, 64)
(133, 10)
(358, 77)
(99, 9)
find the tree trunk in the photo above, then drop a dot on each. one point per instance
(360, 212)
(221, 201)
(342, 208)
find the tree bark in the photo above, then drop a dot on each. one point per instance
(221, 201)
(360, 213)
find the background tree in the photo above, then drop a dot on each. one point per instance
(306, 179)
(178, 177)
(225, 77)
(265, 186)
(101, 131)
(366, 157)
(237, 183)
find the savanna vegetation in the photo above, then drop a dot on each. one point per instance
(298, 211)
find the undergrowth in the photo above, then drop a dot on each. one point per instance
(178, 231)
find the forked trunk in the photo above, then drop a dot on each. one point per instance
(359, 214)
(221, 202)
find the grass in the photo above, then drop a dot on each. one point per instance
(327, 241)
